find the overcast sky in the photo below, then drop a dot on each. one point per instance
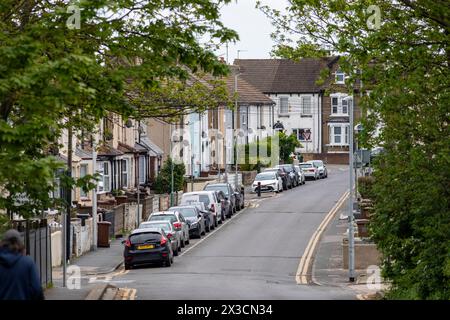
(253, 27)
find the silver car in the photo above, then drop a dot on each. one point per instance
(178, 221)
(323, 172)
(173, 236)
(301, 174)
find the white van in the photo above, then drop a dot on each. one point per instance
(210, 200)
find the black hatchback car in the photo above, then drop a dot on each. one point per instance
(147, 246)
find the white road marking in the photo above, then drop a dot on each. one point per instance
(302, 270)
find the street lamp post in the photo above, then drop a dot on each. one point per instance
(351, 230)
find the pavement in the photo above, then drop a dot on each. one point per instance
(327, 269)
(94, 267)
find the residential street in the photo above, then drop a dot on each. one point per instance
(253, 256)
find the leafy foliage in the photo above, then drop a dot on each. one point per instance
(404, 62)
(133, 58)
(163, 183)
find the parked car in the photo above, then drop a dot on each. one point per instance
(240, 197)
(323, 172)
(145, 246)
(178, 221)
(169, 229)
(301, 174)
(230, 197)
(289, 168)
(194, 218)
(209, 198)
(310, 170)
(287, 183)
(270, 181)
(207, 215)
(226, 205)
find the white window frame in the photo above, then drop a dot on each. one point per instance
(281, 111)
(296, 132)
(309, 110)
(83, 165)
(142, 175)
(124, 173)
(105, 183)
(339, 74)
(340, 106)
(343, 136)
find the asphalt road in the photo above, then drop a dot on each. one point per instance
(255, 255)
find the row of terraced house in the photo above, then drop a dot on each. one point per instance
(271, 94)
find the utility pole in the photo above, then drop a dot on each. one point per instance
(94, 194)
(351, 231)
(139, 180)
(171, 166)
(69, 192)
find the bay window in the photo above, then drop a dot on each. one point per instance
(339, 134)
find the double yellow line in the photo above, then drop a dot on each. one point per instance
(301, 276)
(128, 294)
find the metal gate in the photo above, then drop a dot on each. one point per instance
(37, 239)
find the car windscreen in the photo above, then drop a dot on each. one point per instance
(163, 225)
(186, 212)
(265, 176)
(287, 168)
(218, 188)
(318, 163)
(306, 165)
(145, 237)
(191, 199)
(165, 217)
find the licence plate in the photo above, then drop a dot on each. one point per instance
(145, 247)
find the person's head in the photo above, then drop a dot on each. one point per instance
(12, 241)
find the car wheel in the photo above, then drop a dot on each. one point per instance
(216, 224)
(179, 248)
(182, 244)
(175, 252)
(188, 240)
(168, 262)
(127, 266)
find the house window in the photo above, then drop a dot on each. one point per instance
(304, 135)
(124, 173)
(345, 106)
(335, 104)
(306, 105)
(260, 117)
(142, 170)
(339, 134)
(83, 173)
(340, 77)
(284, 105)
(104, 184)
(340, 104)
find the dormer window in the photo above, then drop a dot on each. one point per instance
(340, 77)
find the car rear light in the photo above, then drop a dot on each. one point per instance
(163, 241)
(177, 225)
(127, 243)
(169, 236)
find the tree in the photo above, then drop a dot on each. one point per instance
(64, 65)
(288, 143)
(400, 52)
(163, 183)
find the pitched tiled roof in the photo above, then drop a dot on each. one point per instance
(247, 94)
(283, 75)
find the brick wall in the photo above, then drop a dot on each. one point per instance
(328, 158)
